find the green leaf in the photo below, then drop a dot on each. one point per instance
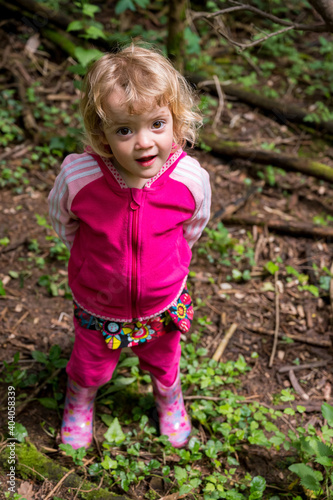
(267, 287)
(309, 477)
(129, 361)
(289, 411)
(94, 33)
(48, 403)
(180, 474)
(142, 3)
(60, 363)
(258, 483)
(20, 432)
(321, 449)
(326, 461)
(271, 267)
(123, 5)
(85, 56)
(292, 270)
(185, 489)
(119, 383)
(310, 288)
(14, 274)
(107, 419)
(2, 290)
(39, 356)
(108, 463)
(327, 412)
(192, 41)
(114, 434)
(75, 26)
(4, 241)
(90, 9)
(54, 353)
(236, 274)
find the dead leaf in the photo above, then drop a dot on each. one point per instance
(26, 491)
(327, 391)
(32, 44)
(174, 496)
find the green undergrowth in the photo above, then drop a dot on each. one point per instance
(227, 428)
(236, 255)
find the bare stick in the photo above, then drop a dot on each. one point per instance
(36, 391)
(315, 364)
(331, 293)
(224, 342)
(297, 338)
(296, 386)
(33, 470)
(277, 320)
(321, 27)
(221, 101)
(22, 318)
(57, 486)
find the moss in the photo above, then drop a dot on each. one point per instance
(33, 464)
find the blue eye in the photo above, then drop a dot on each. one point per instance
(158, 124)
(124, 131)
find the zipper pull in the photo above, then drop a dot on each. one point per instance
(134, 205)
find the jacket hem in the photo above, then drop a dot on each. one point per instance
(128, 320)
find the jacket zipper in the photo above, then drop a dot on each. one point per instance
(135, 225)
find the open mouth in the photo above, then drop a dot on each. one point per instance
(146, 161)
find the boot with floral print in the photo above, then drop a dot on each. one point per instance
(77, 423)
(174, 421)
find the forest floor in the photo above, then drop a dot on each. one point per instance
(233, 278)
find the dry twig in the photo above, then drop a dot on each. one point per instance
(57, 486)
(277, 319)
(315, 364)
(221, 101)
(296, 386)
(224, 342)
(36, 391)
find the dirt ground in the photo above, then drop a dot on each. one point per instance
(32, 319)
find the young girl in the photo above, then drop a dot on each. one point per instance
(129, 209)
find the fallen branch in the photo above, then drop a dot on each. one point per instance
(237, 204)
(281, 111)
(42, 466)
(234, 150)
(37, 16)
(14, 245)
(306, 366)
(297, 228)
(297, 338)
(224, 342)
(296, 385)
(309, 407)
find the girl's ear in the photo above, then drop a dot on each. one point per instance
(104, 139)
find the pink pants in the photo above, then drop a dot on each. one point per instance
(92, 363)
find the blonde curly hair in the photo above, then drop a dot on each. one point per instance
(144, 75)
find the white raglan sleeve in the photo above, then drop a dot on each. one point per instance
(202, 194)
(63, 220)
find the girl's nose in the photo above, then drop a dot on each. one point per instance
(143, 140)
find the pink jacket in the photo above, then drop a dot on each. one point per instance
(130, 248)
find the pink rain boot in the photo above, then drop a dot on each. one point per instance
(76, 428)
(174, 421)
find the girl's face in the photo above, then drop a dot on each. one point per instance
(140, 143)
